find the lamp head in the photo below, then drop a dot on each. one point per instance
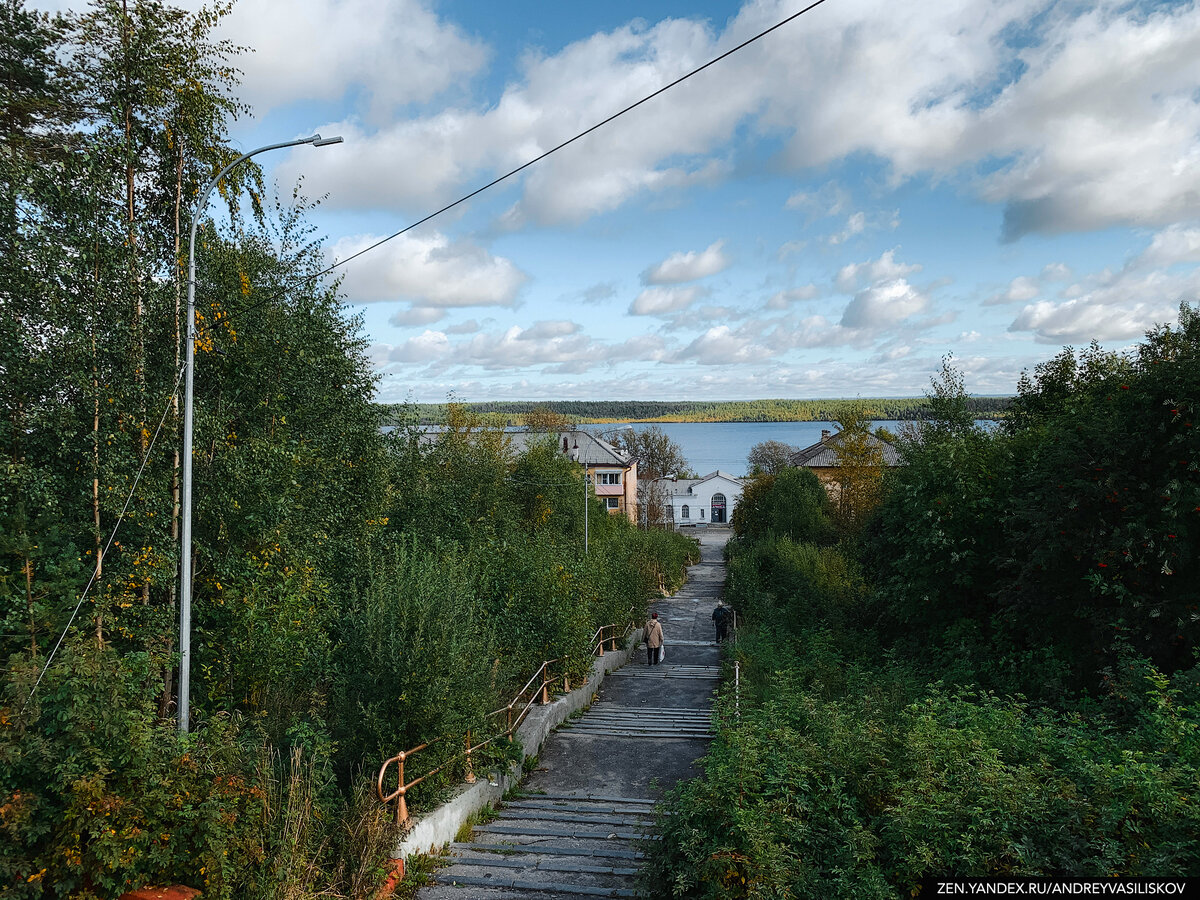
(318, 141)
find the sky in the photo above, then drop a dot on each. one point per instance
(826, 213)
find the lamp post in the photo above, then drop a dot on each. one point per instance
(598, 434)
(185, 533)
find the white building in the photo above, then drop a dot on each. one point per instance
(700, 501)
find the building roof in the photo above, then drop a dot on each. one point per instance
(824, 453)
(685, 485)
(582, 446)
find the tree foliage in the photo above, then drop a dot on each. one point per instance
(996, 677)
(354, 593)
(516, 412)
(770, 457)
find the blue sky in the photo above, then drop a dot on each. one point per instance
(826, 213)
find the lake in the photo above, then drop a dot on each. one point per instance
(709, 446)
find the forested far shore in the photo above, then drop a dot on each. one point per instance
(584, 412)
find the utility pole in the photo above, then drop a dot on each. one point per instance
(185, 533)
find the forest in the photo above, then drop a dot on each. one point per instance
(355, 593)
(515, 413)
(985, 666)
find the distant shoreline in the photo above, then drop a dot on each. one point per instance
(604, 412)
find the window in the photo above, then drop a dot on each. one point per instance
(685, 513)
(610, 477)
(612, 502)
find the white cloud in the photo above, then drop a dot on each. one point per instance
(784, 299)
(428, 346)
(1056, 272)
(829, 200)
(1120, 305)
(1177, 244)
(417, 315)
(429, 270)
(470, 326)
(851, 276)
(720, 346)
(690, 266)
(546, 347)
(1096, 125)
(548, 330)
(398, 50)
(883, 305)
(1022, 289)
(1083, 320)
(659, 301)
(856, 224)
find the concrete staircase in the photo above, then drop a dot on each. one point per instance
(550, 845)
(585, 816)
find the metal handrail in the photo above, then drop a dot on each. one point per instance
(511, 724)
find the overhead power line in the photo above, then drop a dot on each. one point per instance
(112, 536)
(509, 174)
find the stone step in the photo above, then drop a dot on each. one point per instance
(664, 710)
(637, 834)
(563, 806)
(546, 815)
(524, 861)
(640, 735)
(639, 727)
(540, 887)
(550, 850)
(635, 725)
(654, 723)
(584, 797)
(637, 715)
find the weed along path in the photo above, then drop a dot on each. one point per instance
(578, 822)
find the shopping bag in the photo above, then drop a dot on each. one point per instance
(662, 653)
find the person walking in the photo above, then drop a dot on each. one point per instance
(721, 616)
(654, 640)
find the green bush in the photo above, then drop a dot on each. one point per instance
(862, 792)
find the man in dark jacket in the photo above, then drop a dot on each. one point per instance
(722, 617)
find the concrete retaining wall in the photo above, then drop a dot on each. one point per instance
(439, 826)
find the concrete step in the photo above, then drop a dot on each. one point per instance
(662, 723)
(545, 889)
(585, 797)
(601, 706)
(583, 808)
(639, 735)
(617, 853)
(623, 833)
(612, 732)
(634, 712)
(530, 862)
(548, 815)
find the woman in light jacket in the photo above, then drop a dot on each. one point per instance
(654, 640)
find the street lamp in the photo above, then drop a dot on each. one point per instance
(598, 434)
(185, 534)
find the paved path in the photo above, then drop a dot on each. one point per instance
(582, 815)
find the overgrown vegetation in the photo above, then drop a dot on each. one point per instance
(355, 594)
(994, 675)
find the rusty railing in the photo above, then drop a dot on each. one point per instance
(514, 714)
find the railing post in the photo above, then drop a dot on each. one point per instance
(508, 718)
(469, 778)
(737, 690)
(402, 801)
(545, 683)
